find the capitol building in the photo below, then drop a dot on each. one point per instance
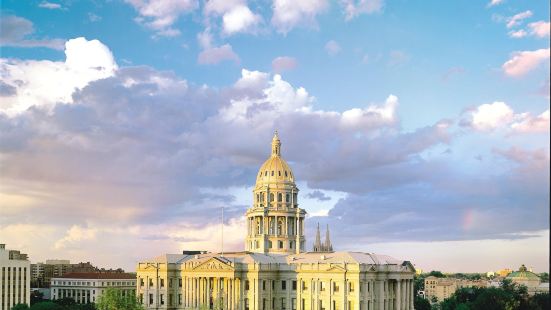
(276, 271)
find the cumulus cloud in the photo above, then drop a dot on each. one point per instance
(319, 195)
(517, 34)
(332, 48)
(288, 14)
(495, 2)
(539, 29)
(15, 31)
(45, 83)
(160, 15)
(353, 8)
(283, 63)
(517, 19)
(215, 55)
(50, 5)
(236, 15)
(144, 150)
(525, 61)
(532, 124)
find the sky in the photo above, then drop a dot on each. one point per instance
(417, 129)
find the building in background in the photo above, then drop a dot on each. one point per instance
(529, 279)
(438, 289)
(42, 273)
(15, 278)
(275, 271)
(86, 287)
(503, 272)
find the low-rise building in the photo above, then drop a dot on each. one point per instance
(86, 287)
(527, 278)
(503, 272)
(14, 278)
(439, 288)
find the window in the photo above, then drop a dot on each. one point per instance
(283, 285)
(141, 299)
(335, 287)
(266, 173)
(273, 285)
(162, 297)
(286, 197)
(180, 282)
(264, 301)
(283, 304)
(279, 172)
(285, 172)
(170, 299)
(279, 197)
(264, 285)
(150, 299)
(304, 286)
(350, 287)
(162, 282)
(272, 173)
(246, 304)
(294, 285)
(246, 285)
(179, 299)
(322, 286)
(280, 244)
(271, 197)
(150, 282)
(170, 282)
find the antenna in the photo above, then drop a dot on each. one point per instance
(222, 254)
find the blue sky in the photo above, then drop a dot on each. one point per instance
(426, 121)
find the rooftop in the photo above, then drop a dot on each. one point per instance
(97, 275)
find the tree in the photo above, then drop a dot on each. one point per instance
(36, 297)
(436, 273)
(112, 299)
(539, 301)
(544, 277)
(20, 307)
(420, 303)
(47, 305)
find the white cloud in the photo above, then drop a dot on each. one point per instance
(517, 34)
(253, 80)
(160, 15)
(518, 18)
(530, 124)
(525, 61)
(76, 234)
(240, 19)
(283, 63)
(215, 55)
(14, 31)
(45, 83)
(372, 116)
(495, 2)
(539, 29)
(353, 8)
(490, 116)
(332, 48)
(49, 5)
(288, 14)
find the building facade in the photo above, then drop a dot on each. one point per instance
(15, 278)
(275, 271)
(86, 287)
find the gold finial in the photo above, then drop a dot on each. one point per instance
(276, 145)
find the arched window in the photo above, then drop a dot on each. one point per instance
(271, 197)
(279, 227)
(258, 232)
(272, 173)
(279, 197)
(257, 197)
(266, 173)
(287, 197)
(279, 172)
(285, 173)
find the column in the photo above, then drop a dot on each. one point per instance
(381, 297)
(412, 298)
(398, 294)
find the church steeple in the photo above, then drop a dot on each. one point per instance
(327, 245)
(317, 243)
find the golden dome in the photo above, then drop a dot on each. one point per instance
(275, 169)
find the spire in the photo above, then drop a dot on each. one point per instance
(276, 145)
(327, 245)
(317, 244)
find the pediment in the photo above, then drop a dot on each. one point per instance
(213, 264)
(335, 268)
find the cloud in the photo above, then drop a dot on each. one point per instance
(525, 61)
(240, 19)
(530, 124)
(15, 30)
(288, 14)
(46, 83)
(490, 116)
(398, 57)
(517, 19)
(160, 15)
(332, 48)
(319, 195)
(215, 55)
(50, 5)
(353, 8)
(496, 115)
(517, 33)
(283, 63)
(539, 29)
(495, 2)
(76, 234)
(93, 17)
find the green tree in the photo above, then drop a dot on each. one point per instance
(436, 273)
(544, 277)
(539, 301)
(420, 303)
(47, 305)
(36, 297)
(20, 307)
(112, 299)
